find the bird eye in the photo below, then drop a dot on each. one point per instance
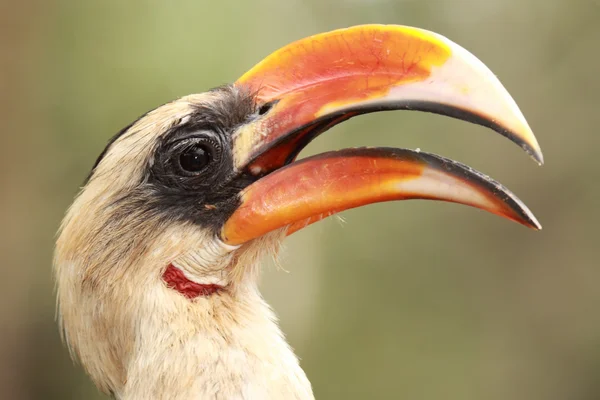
(195, 158)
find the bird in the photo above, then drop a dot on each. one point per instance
(157, 259)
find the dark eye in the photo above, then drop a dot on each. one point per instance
(195, 158)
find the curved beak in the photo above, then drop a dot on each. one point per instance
(308, 86)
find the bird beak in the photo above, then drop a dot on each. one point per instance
(306, 87)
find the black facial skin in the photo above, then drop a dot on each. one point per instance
(205, 196)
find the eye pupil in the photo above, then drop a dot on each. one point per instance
(195, 158)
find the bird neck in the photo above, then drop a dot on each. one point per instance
(214, 348)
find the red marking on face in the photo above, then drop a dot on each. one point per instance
(175, 279)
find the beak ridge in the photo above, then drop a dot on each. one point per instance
(310, 85)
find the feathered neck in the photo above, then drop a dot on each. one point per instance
(230, 350)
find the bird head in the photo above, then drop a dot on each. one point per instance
(164, 239)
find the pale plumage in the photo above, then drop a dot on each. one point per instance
(199, 186)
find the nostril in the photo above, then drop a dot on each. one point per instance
(266, 107)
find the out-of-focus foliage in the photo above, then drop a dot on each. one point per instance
(415, 300)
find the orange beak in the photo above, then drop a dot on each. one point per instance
(308, 86)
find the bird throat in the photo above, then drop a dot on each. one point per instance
(176, 280)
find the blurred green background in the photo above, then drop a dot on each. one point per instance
(414, 300)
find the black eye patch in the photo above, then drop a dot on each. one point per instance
(190, 175)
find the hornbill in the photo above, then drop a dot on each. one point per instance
(157, 259)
